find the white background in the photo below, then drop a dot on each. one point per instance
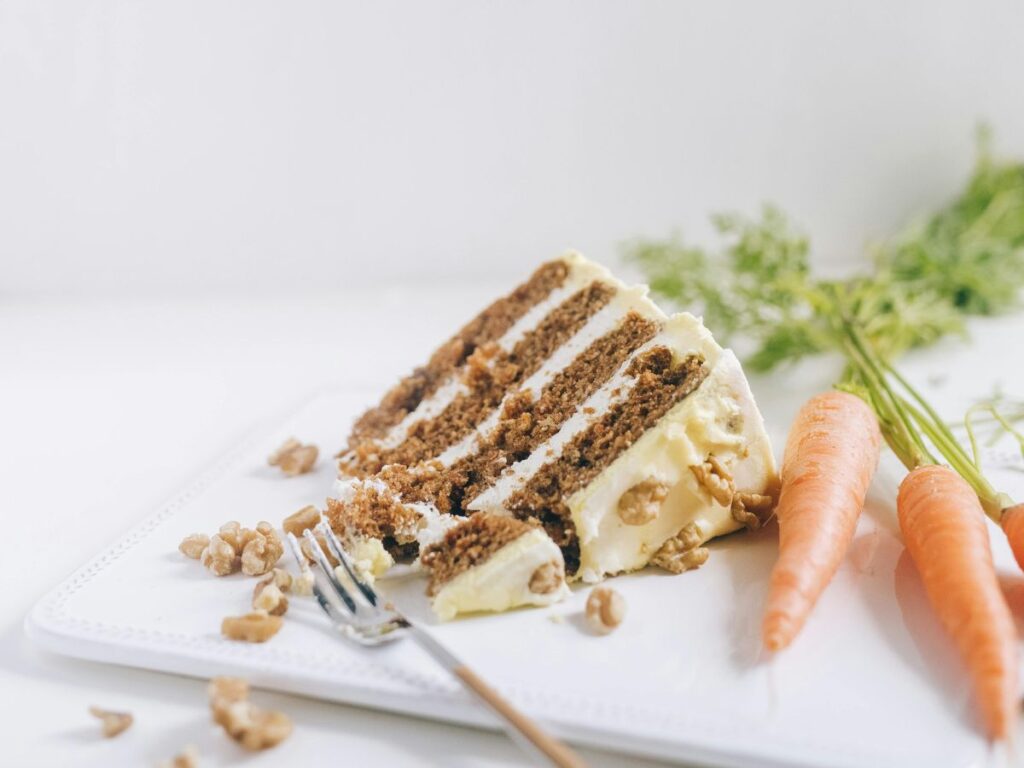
(204, 204)
(269, 146)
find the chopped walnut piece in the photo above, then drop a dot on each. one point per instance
(267, 596)
(255, 728)
(231, 532)
(193, 545)
(605, 609)
(226, 690)
(285, 448)
(640, 504)
(547, 578)
(187, 758)
(220, 558)
(293, 457)
(256, 627)
(282, 579)
(306, 518)
(263, 548)
(683, 552)
(715, 479)
(252, 727)
(114, 723)
(307, 549)
(751, 509)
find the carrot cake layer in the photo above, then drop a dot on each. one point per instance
(489, 325)
(407, 428)
(489, 375)
(493, 563)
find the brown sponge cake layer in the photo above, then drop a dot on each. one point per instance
(660, 384)
(469, 544)
(525, 423)
(490, 375)
(486, 327)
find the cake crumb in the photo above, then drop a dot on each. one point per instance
(114, 723)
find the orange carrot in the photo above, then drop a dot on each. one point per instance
(944, 529)
(830, 458)
(1012, 523)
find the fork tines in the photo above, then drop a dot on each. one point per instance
(356, 613)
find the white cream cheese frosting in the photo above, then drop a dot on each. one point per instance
(503, 580)
(719, 419)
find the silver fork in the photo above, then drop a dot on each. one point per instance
(359, 615)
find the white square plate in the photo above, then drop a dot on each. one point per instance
(872, 681)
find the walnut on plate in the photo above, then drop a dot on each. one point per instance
(187, 758)
(605, 609)
(255, 627)
(193, 545)
(293, 457)
(269, 596)
(220, 558)
(297, 522)
(252, 727)
(261, 551)
(234, 548)
(114, 723)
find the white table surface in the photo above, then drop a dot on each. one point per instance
(107, 408)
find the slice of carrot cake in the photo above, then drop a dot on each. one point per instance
(493, 563)
(628, 435)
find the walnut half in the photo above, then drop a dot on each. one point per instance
(641, 503)
(263, 548)
(751, 509)
(605, 609)
(547, 578)
(193, 545)
(219, 557)
(683, 552)
(715, 479)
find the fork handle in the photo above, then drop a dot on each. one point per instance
(554, 750)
